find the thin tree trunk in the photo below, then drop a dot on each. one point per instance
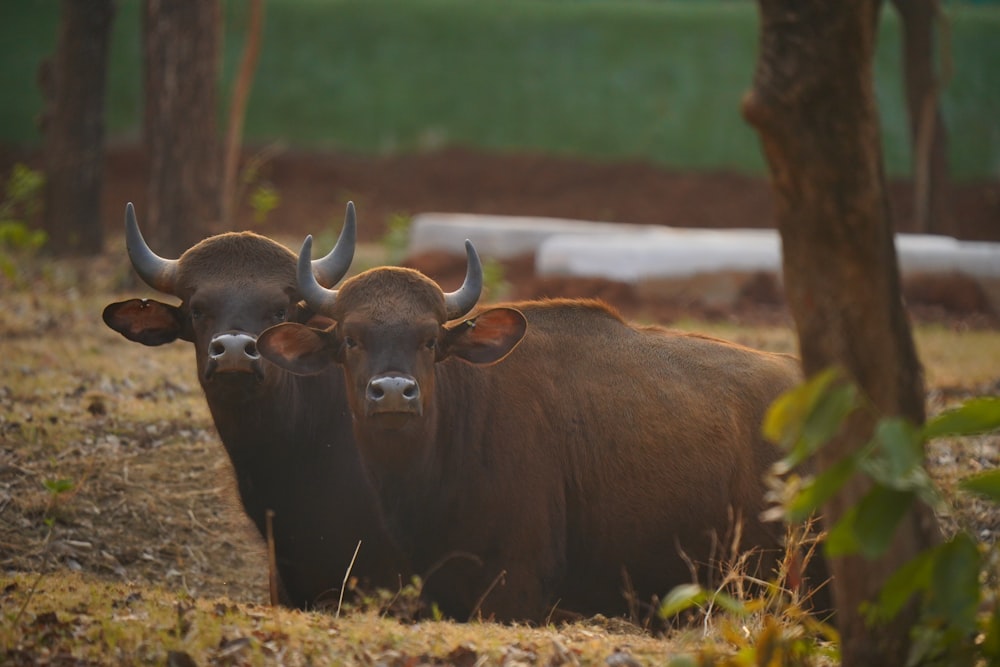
(73, 124)
(813, 104)
(237, 112)
(928, 135)
(181, 67)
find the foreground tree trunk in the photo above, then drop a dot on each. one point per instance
(813, 104)
(928, 135)
(73, 85)
(181, 69)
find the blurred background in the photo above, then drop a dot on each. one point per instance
(271, 115)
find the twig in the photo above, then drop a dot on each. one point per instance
(392, 601)
(347, 575)
(237, 111)
(272, 560)
(27, 600)
(489, 589)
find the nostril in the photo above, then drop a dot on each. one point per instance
(393, 394)
(250, 349)
(216, 348)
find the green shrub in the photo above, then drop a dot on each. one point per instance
(959, 616)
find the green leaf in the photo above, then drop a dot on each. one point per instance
(684, 660)
(896, 459)
(804, 418)
(682, 598)
(991, 638)
(954, 591)
(841, 539)
(730, 604)
(819, 490)
(868, 527)
(57, 486)
(900, 446)
(910, 579)
(977, 415)
(828, 415)
(787, 414)
(879, 512)
(985, 484)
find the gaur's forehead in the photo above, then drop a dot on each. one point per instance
(237, 259)
(390, 294)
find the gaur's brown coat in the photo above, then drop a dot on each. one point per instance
(539, 453)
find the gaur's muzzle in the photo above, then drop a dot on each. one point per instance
(392, 393)
(233, 352)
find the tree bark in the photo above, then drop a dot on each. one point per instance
(181, 69)
(813, 104)
(73, 86)
(928, 135)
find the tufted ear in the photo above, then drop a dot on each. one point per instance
(297, 348)
(486, 338)
(147, 322)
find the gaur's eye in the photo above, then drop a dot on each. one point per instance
(280, 314)
(196, 313)
(350, 343)
(431, 344)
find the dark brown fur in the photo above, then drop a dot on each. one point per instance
(288, 438)
(596, 456)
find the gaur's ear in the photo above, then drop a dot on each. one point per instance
(147, 322)
(486, 338)
(303, 314)
(297, 348)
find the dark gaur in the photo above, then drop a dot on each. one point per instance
(288, 438)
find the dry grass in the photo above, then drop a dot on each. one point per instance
(78, 619)
(121, 538)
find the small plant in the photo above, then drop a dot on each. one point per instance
(959, 624)
(263, 196)
(404, 604)
(494, 279)
(774, 628)
(397, 238)
(57, 489)
(22, 204)
(22, 194)
(263, 200)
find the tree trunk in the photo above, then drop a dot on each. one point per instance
(181, 68)
(813, 104)
(928, 136)
(73, 86)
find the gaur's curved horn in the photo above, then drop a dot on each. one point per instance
(464, 299)
(155, 271)
(318, 297)
(330, 269)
